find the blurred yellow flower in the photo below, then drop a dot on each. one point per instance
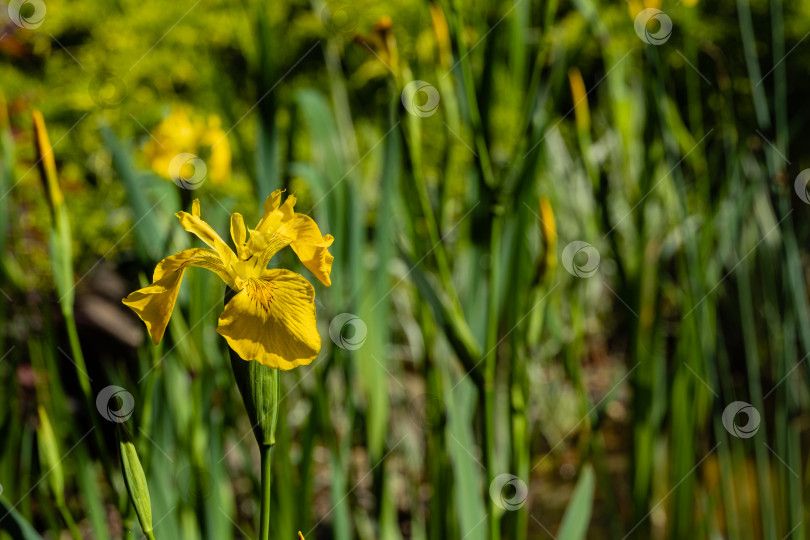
(549, 230)
(271, 318)
(635, 6)
(47, 163)
(582, 113)
(181, 133)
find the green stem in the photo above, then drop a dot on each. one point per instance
(78, 357)
(267, 459)
(69, 521)
(489, 369)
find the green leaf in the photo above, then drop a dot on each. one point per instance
(61, 251)
(149, 236)
(578, 514)
(467, 470)
(49, 456)
(16, 525)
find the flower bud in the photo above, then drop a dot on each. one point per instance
(49, 456)
(47, 163)
(61, 248)
(258, 385)
(135, 479)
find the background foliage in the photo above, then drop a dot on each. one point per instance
(472, 352)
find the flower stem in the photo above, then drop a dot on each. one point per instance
(489, 371)
(267, 460)
(69, 521)
(78, 357)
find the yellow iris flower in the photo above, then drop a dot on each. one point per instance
(271, 318)
(181, 132)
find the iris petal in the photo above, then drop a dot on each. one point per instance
(270, 218)
(195, 225)
(154, 304)
(239, 234)
(280, 227)
(310, 246)
(272, 320)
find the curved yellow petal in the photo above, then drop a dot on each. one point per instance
(239, 234)
(195, 225)
(199, 257)
(272, 321)
(310, 246)
(280, 226)
(154, 304)
(266, 246)
(270, 206)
